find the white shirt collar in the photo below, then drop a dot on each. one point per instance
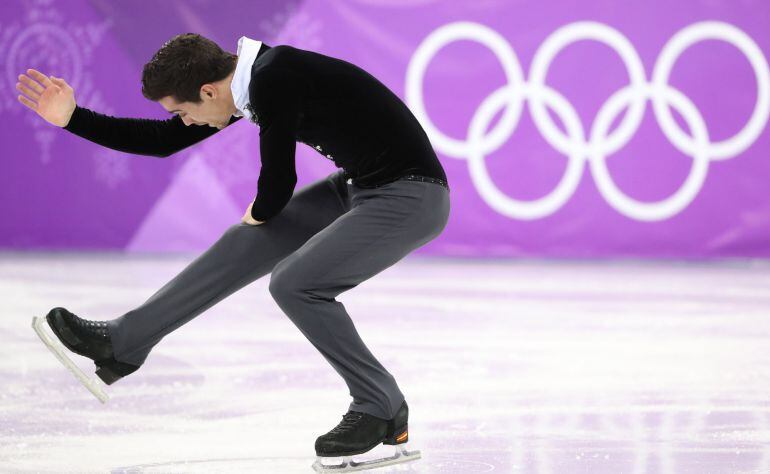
(247, 53)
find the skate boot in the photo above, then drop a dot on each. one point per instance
(358, 433)
(90, 339)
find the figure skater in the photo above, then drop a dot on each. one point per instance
(389, 197)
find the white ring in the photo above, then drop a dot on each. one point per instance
(685, 38)
(504, 204)
(416, 70)
(652, 211)
(557, 41)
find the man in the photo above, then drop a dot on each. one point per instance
(389, 198)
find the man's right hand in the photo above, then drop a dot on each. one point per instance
(51, 97)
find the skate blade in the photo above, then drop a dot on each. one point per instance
(59, 351)
(349, 465)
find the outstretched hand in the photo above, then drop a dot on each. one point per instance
(247, 219)
(51, 97)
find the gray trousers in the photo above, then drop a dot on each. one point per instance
(331, 236)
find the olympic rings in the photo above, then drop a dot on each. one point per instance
(599, 144)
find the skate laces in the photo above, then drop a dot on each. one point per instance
(349, 420)
(97, 328)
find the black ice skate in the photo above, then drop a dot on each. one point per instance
(358, 433)
(87, 338)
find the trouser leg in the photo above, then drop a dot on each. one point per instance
(383, 226)
(242, 254)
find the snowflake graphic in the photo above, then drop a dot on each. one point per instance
(45, 40)
(111, 167)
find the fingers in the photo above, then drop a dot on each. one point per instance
(40, 77)
(26, 90)
(58, 81)
(27, 81)
(28, 102)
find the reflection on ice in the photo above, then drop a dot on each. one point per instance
(537, 367)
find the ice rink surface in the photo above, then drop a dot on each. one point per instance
(507, 366)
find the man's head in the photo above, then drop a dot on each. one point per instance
(190, 75)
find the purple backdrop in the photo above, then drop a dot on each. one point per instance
(567, 128)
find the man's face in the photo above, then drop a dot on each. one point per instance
(212, 111)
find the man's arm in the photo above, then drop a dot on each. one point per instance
(276, 96)
(54, 100)
(151, 137)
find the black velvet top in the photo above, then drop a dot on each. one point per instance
(337, 108)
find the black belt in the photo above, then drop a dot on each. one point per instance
(427, 179)
(413, 177)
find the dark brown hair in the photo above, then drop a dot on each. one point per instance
(182, 65)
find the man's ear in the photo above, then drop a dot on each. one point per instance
(208, 90)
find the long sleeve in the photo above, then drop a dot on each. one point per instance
(160, 138)
(276, 99)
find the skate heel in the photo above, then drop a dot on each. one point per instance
(399, 436)
(397, 426)
(111, 371)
